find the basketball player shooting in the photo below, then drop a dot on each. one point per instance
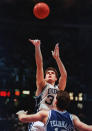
(46, 87)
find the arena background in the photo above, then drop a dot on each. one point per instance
(70, 24)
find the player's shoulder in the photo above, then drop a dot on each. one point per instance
(56, 86)
(75, 117)
(44, 112)
(54, 111)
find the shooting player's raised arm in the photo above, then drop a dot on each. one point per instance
(39, 63)
(63, 73)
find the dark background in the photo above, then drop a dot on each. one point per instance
(70, 24)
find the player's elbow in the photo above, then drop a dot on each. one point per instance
(62, 82)
(65, 75)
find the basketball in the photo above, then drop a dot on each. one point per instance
(41, 10)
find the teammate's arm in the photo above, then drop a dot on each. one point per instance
(63, 73)
(80, 125)
(40, 116)
(40, 82)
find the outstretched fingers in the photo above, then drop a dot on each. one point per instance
(21, 112)
(55, 53)
(35, 42)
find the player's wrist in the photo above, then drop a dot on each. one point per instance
(37, 45)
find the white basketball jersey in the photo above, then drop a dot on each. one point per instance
(47, 102)
(37, 126)
(48, 97)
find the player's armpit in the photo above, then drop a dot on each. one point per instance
(40, 87)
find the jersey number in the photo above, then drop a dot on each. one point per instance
(49, 99)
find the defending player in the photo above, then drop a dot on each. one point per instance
(56, 120)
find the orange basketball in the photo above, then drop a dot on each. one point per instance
(41, 10)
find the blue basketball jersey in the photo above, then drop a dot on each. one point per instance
(59, 121)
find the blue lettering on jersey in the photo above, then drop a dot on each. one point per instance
(52, 91)
(62, 124)
(59, 121)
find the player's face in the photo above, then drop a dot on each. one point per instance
(50, 75)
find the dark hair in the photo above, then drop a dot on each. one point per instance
(53, 69)
(63, 99)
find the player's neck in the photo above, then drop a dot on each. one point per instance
(60, 109)
(52, 83)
